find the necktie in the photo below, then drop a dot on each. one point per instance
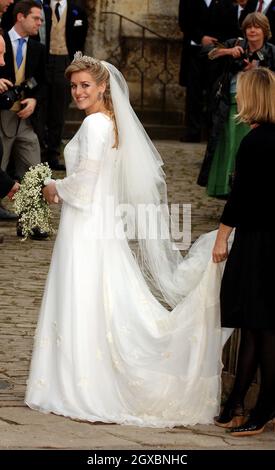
(19, 53)
(260, 7)
(57, 14)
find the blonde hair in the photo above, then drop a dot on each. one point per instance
(256, 96)
(100, 75)
(259, 20)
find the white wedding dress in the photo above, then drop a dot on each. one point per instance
(105, 349)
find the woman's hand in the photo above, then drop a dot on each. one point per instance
(50, 193)
(220, 250)
(217, 52)
(236, 52)
(250, 65)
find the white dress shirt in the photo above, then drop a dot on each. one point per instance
(240, 9)
(266, 4)
(14, 36)
(63, 4)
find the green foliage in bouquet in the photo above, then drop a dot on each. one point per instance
(29, 204)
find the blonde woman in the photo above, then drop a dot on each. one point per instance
(247, 289)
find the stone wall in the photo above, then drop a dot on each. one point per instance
(153, 62)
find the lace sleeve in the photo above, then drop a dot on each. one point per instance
(78, 188)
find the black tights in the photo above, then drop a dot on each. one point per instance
(257, 349)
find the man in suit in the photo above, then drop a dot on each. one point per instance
(239, 12)
(203, 22)
(267, 7)
(65, 33)
(7, 185)
(25, 59)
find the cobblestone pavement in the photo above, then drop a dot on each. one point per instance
(23, 270)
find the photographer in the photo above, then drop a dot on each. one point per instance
(25, 58)
(8, 187)
(238, 55)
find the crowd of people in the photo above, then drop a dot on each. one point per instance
(105, 348)
(40, 41)
(220, 39)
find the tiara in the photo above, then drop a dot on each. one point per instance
(79, 57)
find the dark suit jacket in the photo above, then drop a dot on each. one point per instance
(35, 66)
(251, 202)
(6, 183)
(251, 7)
(196, 20)
(76, 27)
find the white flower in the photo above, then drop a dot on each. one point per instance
(47, 181)
(29, 204)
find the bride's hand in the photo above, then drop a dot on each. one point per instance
(50, 193)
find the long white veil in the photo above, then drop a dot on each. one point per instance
(141, 181)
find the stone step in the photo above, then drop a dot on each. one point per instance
(152, 116)
(155, 131)
(158, 125)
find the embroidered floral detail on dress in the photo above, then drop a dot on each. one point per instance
(109, 337)
(166, 354)
(116, 364)
(40, 383)
(58, 340)
(99, 354)
(135, 383)
(83, 381)
(44, 341)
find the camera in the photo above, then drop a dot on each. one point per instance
(256, 55)
(13, 94)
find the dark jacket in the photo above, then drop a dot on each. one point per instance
(221, 97)
(76, 27)
(35, 66)
(6, 183)
(251, 202)
(197, 20)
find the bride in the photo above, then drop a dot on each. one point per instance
(105, 348)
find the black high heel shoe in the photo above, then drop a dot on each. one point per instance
(250, 428)
(230, 416)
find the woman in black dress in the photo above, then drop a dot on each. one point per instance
(248, 285)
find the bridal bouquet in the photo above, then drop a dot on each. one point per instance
(29, 204)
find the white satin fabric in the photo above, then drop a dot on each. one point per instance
(105, 348)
